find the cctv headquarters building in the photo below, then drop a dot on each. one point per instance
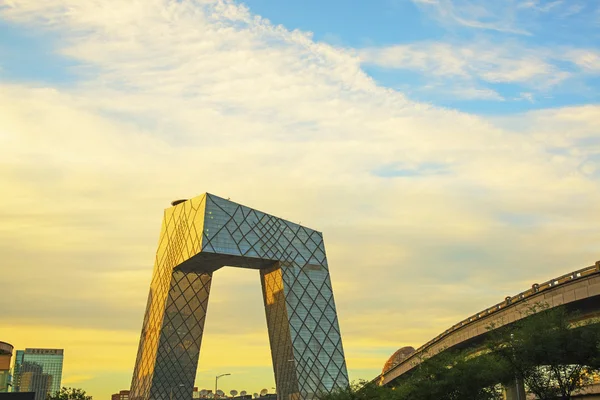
(200, 236)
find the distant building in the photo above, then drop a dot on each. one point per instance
(122, 395)
(39, 371)
(398, 357)
(33, 379)
(6, 351)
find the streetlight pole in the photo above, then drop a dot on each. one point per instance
(216, 382)
(171, 390)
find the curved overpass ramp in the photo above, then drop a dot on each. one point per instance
(574, 287)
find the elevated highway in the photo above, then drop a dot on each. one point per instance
(579, 289)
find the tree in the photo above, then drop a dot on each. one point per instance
(67, 393)
(446, 376)
(362, 390)
(453, 375)
(550, 351)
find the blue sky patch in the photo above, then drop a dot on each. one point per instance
(353, 23)
(31, 56)
(501, 58)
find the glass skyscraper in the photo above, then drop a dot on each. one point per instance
(203, 234)
(39, 371)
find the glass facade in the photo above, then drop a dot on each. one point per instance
(39, 371)
(4, 381)
(206, 233)
(19, 354)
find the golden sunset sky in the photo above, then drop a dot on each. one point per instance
(430, 213)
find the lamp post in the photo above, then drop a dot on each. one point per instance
(216, 382)
(171, 390)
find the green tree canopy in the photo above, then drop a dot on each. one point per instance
(362, 390)
(68, 393)
(455, 376)
(550, 350)
(447, 376)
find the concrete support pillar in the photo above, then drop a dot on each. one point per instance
(515, 390)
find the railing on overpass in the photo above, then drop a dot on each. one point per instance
(509, 301)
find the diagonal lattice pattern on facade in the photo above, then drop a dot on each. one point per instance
(206, 233)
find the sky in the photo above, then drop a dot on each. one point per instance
(449, 151)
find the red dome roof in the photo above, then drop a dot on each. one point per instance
(396, 358)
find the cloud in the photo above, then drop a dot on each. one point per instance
(587, 60)
(526, 96)
(470, 93)
(475, 14)
(489, 62)
(176, 98)
(465, 69)
(514, 17)
(564, 132)
(559, 8)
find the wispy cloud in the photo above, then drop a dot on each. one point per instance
(587, 59)
(498, 16)
(486, 62)
(504, 16)
(526, 96)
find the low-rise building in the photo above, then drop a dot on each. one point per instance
(122, 395)
(6, 351)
